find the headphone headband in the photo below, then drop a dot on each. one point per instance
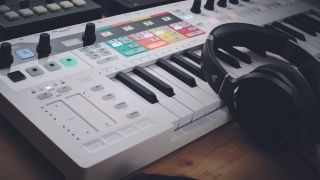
(249, 36)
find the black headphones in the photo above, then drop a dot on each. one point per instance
(277, 104)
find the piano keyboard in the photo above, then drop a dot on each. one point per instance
(138, 92)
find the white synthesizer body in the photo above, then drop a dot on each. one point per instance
(91, 123)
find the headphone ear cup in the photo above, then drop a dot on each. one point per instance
(294, 79)
(307, 99)
(266, 109)
(311, 71)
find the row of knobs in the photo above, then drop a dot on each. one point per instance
(196, 7)
(44, 46)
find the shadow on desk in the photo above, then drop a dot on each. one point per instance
(224, 154)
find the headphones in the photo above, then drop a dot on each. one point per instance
(277, 104)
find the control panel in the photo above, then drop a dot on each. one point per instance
(105, 98)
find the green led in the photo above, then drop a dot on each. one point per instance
(68, 61)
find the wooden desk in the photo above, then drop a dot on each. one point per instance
(225, 154)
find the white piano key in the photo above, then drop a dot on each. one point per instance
(137, 99)
(312, 43)
(189, 101)
(196, 92)
(204, 86)
(169, 103)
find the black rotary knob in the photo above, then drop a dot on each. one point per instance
(89, 35)
(196, 7)
(44, 46)
(6, 58)
(234, 1)
(209, 5)
(222, 3)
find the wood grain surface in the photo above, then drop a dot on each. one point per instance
(224, 154)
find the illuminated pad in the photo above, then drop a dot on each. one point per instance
(126, 46)
(186, 29)
(148, 40)
(168, 34)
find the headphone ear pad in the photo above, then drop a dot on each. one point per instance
(266, 109)
(294, 79)
(311, 71)
(309, 102)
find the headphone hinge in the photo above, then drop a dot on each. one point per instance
(226, 92)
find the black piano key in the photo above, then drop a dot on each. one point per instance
(312, 26)
(154, 81)
(182, 76)
(310, 20)
(137, 87)
(288, 30)
(193, 56)
(238, 54)
(228, 59)
(315, 13)
(300, 26)
(188, 66)
(289, 36)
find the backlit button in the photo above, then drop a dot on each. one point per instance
(97, 88)
(121, 105)
(94, 145)
(44, 95)
(101, 50)
(108, 96)
(79, 2)
(16, 76)
(105, 60)
(133, 115)
(34, 71)
(52, 66)
(53, 7)
(84, 49)
(40, 10)
(95, 46)
(66, 4)
(26, 13)
(68, 61)
(94, 56)
(25, 53)
(128, 131)
(89, 53)
(63, 89)
(4, 9)
(106, 53)
(11, 16)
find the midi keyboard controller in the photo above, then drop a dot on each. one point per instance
(104, 99)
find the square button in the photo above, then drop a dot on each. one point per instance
(40, 10)
(26, 13)
(66, 4)
(52, 66)
(79, 2)
(68, 61)
(11, 16)
(53, 7)
(25, 53)
(3, 9)
(44, 95)
(16, 76)
(34, 71)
